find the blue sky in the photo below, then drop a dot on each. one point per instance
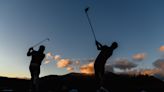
(137, 26)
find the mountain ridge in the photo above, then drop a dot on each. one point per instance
(86, 83)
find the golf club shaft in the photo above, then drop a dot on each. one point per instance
(47, 39)
(90, 24)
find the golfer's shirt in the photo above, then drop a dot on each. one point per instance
(37, 57)
(101, 59)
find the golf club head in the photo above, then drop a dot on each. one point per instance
(86, 9)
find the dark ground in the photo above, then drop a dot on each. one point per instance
(85, 83)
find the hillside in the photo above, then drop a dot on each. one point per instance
(86, 83)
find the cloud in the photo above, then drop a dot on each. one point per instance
(71, 64)
(124, 64)
(159, 63)
(57, 57)
(150, 71)
(109, 68)
(70, 69)
(91, 60)
(132, 72)
(87, 68)
(144, 71)
(139, 56)
(47, 61)
(77, 62)
(48, 58)
(161, 48)
(63, 63)
(49, 55)
(158, 70)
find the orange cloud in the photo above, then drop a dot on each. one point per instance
(88, 68)
(47, 61)
(57, 57)
(49, 54)
(139, 56)
(63, 63)
(69, 68)
(161, 48)
(150, 71)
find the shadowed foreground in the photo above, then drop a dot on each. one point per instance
(85, 83)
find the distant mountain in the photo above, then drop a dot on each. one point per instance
(126, 83)
(159, 76)
(87, 83)
(82, 82)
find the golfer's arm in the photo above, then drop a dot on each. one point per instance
(99, 46)
(29, 53)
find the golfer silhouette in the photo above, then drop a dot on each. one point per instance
(37, 58)
(99, 65)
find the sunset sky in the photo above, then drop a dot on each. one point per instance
(137, 26)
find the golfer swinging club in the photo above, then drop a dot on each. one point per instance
(105, 53)
(37, 58)
(99, 65)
